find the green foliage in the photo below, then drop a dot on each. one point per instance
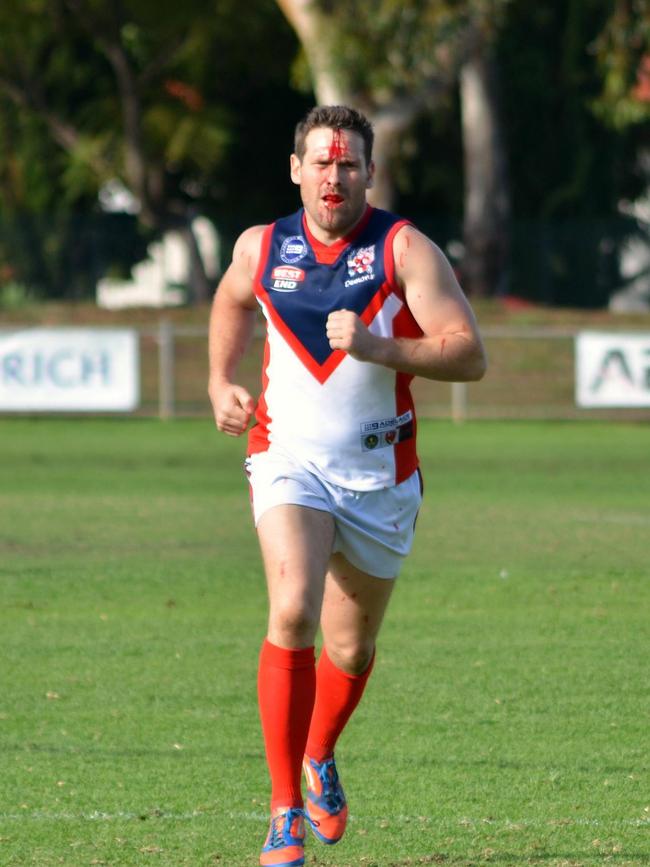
(218, 103)
(80, 180)
(509, 699)
(183, 138)
(391, 46)
(569, 170)
(14, 296)
(623, 54)
(195, 74)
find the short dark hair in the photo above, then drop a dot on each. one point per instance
(334, 117)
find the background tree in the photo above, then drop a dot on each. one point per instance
(50, 237)
(397, 61)
(195, 113)
(623, 53)
(154, 94)
(569, 170)
(486, 214)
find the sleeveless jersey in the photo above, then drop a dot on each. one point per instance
(351, 422)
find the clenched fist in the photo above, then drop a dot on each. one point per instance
(346, 331)
(232, 406)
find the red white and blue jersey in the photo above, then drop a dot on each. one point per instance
(349, 421)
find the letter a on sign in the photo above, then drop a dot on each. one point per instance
(612, 370)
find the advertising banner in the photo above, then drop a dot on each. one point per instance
(612, 370)
(69, 370)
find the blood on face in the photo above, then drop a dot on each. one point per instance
(338, 146)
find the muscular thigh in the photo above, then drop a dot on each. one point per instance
(354, 604)
(296, 544)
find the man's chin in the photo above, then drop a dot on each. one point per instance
(336, 218)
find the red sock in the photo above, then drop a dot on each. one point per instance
(286, 686)
(337, 695)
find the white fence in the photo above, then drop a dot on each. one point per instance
(531, 375)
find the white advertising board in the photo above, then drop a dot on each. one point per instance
(612, 370)
(69, 370)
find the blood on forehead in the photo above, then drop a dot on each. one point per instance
(339, 145)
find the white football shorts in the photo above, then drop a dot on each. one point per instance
(374, 529)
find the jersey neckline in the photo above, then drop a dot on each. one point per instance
(327, 254)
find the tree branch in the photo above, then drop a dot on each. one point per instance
(313, 27)
(158, 63)
(135, 160)
(65, 134)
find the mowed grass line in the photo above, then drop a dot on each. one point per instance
(507, 719)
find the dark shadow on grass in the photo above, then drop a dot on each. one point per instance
(505, 765)
(129, 752)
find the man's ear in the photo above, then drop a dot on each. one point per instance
(371, 175)
(294, 163)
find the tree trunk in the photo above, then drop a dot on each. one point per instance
(389, 124)
(487, 195)
(318, 39)
(200, 289)
(316, 35)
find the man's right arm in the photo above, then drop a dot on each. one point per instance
(232, 321)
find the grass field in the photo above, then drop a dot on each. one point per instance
(507, 720)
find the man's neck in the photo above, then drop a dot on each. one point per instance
(328, 238)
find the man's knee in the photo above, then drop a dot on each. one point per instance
(352, 657)
(292, 625)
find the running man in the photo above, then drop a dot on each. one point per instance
(357, 301)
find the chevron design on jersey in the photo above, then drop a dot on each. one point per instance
(360, 279)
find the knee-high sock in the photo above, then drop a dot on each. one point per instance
(286, 687)
(337, 695)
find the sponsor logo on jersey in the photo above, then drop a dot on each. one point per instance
(360, 261)
(286, 279)
(360, 265)
(293, 249)
(386, 432)
(285, 272)
(387, 423)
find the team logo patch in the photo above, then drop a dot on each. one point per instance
(293, 249)
(360, 261)
(386, 431)
(286, 279)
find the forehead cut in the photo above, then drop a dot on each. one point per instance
(335, 144)
(338, 146)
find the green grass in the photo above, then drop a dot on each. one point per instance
(507, 720)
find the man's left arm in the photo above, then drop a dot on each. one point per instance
(450, 348)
